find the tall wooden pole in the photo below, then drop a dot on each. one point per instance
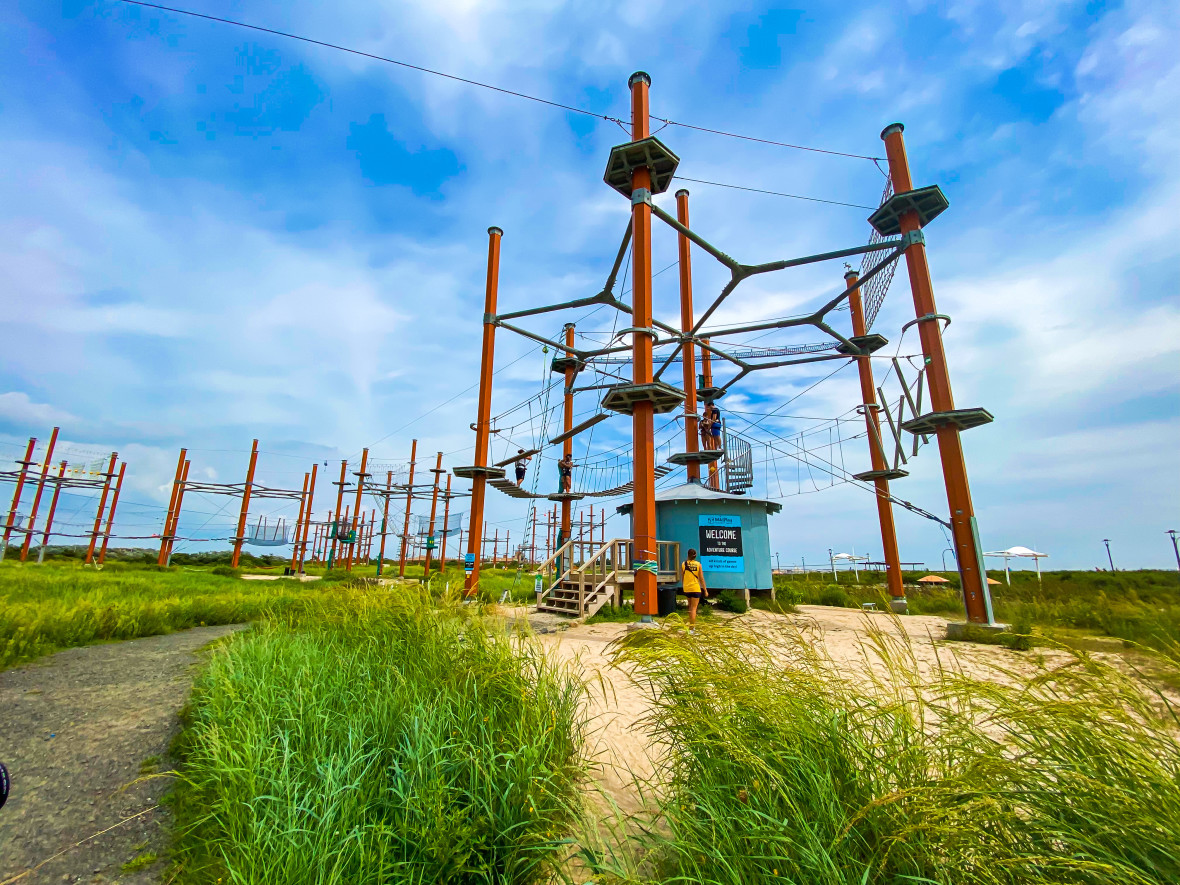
(171, 509)
(401, 569)
(61, 472)
(643, 443)
(358, 519)
(483, 420)
(20, 486)
(243, 515)
(707, 383)
(384, 522)
(691, 429)
(567, 447)
(868, 395)
(298, 566)
(437, 471)
(964, 530)
(442, 556)
(334, 532)
(102, 505)
(176, 514)
(299, 525)
(24, 550)
(106, 535)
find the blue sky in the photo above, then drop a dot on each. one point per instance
(211, 235)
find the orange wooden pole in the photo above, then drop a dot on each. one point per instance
(483, 420)
(106, 535)
(643, 445)
(442, 557)
(358, 518)
(176, 514)
(307, 520)
(691, 429)
(299, 523)
(567, 447)
(171, 507)
(868, 395)
(409, 499)
(61, 472)
(240, 536)
(968, 551)
(334, 532)
(437, 471)
(24, 550)
(102, 506)
(384, 522)
(707, 372)
(20, 486)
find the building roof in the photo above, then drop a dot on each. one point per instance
(693, 491)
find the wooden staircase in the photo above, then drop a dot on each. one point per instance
(580, 581)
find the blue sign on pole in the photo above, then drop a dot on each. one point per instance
(721, 543)
(469, 563)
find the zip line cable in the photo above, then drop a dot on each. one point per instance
(514, 93)
(758, 190)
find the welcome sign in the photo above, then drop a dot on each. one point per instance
(721, 543)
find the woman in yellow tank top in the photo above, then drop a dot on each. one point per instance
(694, 585)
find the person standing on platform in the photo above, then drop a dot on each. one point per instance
(522, 466)
(715, 425)
(705, 423)
(694, 586)
(565, 469)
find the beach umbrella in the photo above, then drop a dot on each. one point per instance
(933, 579)
(1018, 551)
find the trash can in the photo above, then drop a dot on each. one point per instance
(666, 601)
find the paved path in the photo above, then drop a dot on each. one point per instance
(75, 728)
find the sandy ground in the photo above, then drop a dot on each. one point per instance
(623, 753)
(76, 728)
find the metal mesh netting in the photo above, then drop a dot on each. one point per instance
(262, 534)
(874, 290)
(454, 524)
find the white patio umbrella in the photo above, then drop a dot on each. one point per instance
(1023, 552)
(849, 557)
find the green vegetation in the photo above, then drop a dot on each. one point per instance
(788, 769)
(378, 739)
(45, 608)
(731, 601)
(1140, 606)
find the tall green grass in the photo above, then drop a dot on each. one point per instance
(45, 608)
(777, 766)
(378, 742)
(1139, 606)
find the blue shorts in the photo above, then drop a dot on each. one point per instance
(716, 430)
(696, 595)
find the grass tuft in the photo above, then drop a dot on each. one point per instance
(782, 767)
(378, 740)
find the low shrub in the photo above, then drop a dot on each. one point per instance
(731, 601)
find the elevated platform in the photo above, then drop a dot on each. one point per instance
(871, 475)
(561, 363)
(650, 152)
(511, 489)
(566, 496)
(704, 456)
(474, 471)
(622, 398)
(710, 394)
(964, 419)
(865, 344)
(928, 202)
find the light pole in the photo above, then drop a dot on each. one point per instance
(778, 565)
(944, 553)
(1109, 559)
(832, 561)
(1175, 549)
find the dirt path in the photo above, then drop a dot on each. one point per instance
(75, 728)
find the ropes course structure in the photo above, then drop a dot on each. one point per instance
(639, 170)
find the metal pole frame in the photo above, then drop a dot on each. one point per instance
(171, 507)
(307, 518)
(45, 466)
(176, 515)
(357, 517)
(299, 523)
(384, 523)
(334, 528)
(442, 557)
